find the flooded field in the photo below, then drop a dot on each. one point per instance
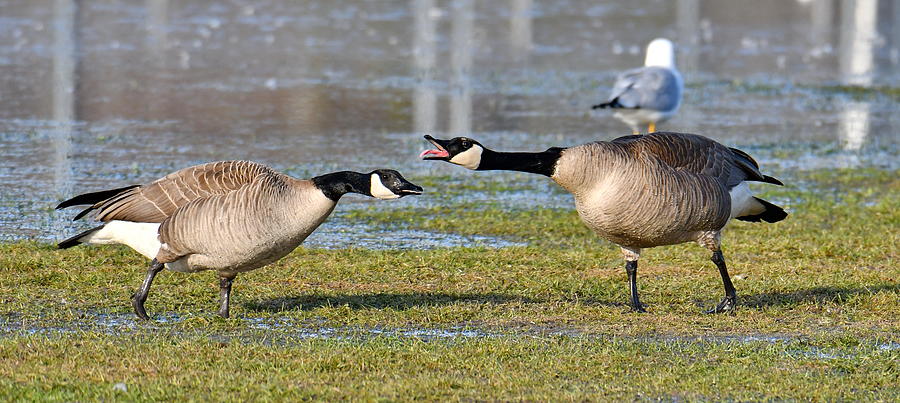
(105, 94)
(97, 95)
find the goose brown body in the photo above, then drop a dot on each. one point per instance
(641, 191)
(652, 190)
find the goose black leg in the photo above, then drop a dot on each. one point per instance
(224, 294)
(137, 301)
(730, 301)
(631, 269)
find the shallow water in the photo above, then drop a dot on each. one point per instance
(104, 94)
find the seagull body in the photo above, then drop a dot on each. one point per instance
(650, 94)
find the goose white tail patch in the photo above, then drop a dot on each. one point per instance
(377, 189)
(470, 158)
(743, 203)
(141, 236)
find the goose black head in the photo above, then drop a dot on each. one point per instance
(389, 184)
(461, 151)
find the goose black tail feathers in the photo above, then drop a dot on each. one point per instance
(92, 198)
(774, 181)
(76, 240)
(772, 213)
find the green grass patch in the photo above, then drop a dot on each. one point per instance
(154, 367)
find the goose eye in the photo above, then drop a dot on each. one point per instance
(465, 144)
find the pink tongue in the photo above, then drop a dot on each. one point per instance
(437, 153)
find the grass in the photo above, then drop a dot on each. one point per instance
(383, 368)
(818, 314)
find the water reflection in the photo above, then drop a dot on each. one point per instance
(857, 42)
(318, 85)
(157, 26)
(520, 37)
(424, 97)
(854, 124)
(461, 63)
(63, 89)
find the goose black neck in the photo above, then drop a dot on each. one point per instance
(337, 184)
(543, 163)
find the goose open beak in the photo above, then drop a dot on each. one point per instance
(440, 153)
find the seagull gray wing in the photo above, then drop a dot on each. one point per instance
(653, 88)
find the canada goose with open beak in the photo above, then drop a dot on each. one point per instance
(641, 191)
(229, 216)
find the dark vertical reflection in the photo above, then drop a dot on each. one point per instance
(64, 67)
(157, 28)
(687, 50)
(520, 37)
(157, 42)
(461, 63)
(688, 40)
(821, 22)
(424, 98)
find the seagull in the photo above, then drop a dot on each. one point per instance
(650, 94)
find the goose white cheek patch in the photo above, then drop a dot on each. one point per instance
(470, 158)
(380, 191)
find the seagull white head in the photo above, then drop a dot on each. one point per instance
(660, 52)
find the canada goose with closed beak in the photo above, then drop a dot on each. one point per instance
(228, 216)
(641, 191)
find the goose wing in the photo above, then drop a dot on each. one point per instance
(155, 201)
(700, 155)
(218, 219)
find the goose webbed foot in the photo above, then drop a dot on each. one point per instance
(139, 308)
(729, 303)
(224, 294)
(638, 307)
(138, 299)
(726, 305)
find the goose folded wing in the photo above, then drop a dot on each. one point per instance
(701, 155)
(691, 153)
(158, 200)
(215, 223)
